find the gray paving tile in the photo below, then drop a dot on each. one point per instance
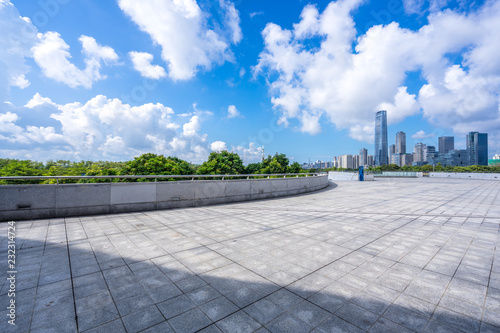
(175, 306)
(357, 316)
(190, 321)
(288, 323)
(142, 319)
(337, 325)
(218, 308)
(309, 313)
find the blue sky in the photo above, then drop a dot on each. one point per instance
(109, 80)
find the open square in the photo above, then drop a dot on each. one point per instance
(394, 255)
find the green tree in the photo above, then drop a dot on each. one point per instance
(439, 167)
(222, 163)
(427, 168)
(152, 164)
(294, 168)
(275, 164)
(390, 167)
(253, 168)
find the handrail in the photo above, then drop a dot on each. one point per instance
(284, 175)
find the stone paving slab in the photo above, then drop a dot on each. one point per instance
(409, 255)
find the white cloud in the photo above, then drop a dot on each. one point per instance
(218, 146)
(142, 64)
(242, 72)
(346, 86)
(17, 37)
(232, 112)
(404, 105)
(420, 6)
(51, 53)
(101, 128)
(180, 27)
(249, 154)
(253, 14)
(422, 135)
(232, 20)
(191, 128)
(37, 100)
(20, 81)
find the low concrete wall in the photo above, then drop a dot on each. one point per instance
(352, 176)
(491, 176)
(337, 175)
(23, 202)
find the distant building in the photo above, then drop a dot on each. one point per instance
(400, 143)
(446, 143)
(370, 160)
(392, 149)
(457, 157)
(363, 157)
(430, 151)
(346, 161)
(477, 146)
(406, 159)
(381, 157)
(419, 152)
(395, 159)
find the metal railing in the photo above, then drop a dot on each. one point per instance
(156, 177)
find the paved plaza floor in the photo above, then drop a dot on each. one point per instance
(395, 255)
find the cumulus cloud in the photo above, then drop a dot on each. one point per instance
(51, 53)
(218, 146)
(422, 135)
(17, 37)
(142, 63)
(101, 128)
(191, 128)
(346, 78)
(232, 112)
(181, 28)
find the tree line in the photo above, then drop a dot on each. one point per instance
(218, 163)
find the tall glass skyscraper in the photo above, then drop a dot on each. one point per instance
(477, 147)
(400, 143)
(381, 157)
(446, 143)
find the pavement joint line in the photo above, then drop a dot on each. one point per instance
(71, 276)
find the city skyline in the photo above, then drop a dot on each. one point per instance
(111, 80)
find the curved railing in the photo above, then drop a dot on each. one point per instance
(156, 177)
(30, 201)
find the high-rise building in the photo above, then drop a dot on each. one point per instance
(395, 159)
(419, 154)
(355, 161)
(430, 151)
(392, 149)
(346, 162)
(400, 143)
(477, 146)
(370, 160)
(446, 143)
(381, 157)
(406, 159)
(363, 157)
